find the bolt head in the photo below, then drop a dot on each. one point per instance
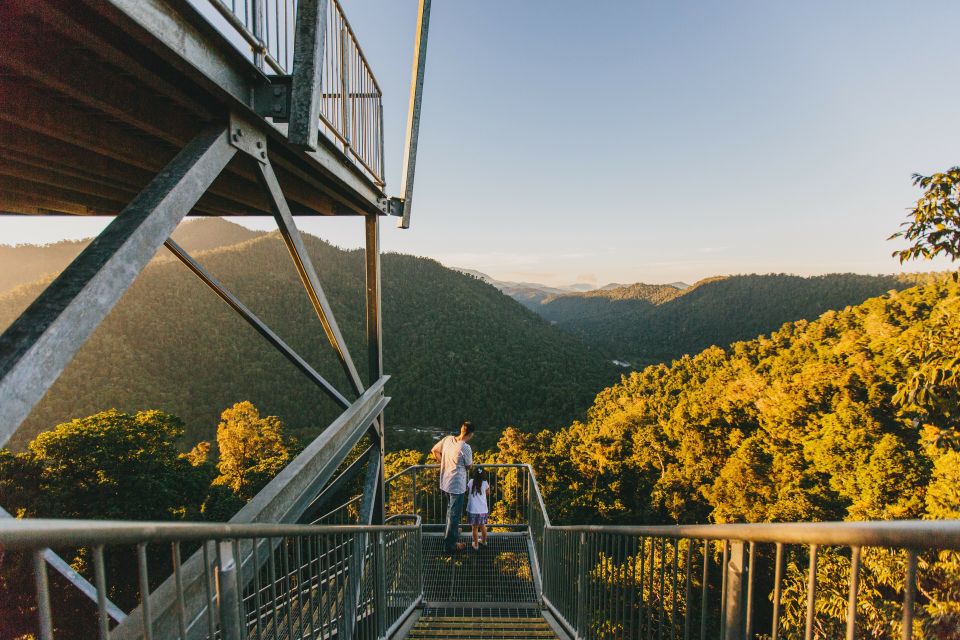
(277, 91)
(259, 144)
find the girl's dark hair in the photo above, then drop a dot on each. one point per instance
(479, 475)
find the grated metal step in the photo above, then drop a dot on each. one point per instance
(481, 628)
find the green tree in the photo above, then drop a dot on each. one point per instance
(933, 226)
(110, 465)
(116, 466)
(252, 449)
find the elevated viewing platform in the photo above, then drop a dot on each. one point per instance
(148, 111)
(532, 580)
(100, 96)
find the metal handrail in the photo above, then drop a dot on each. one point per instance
(255, 580)
(903, 534)
(632, 581)
(351, 106)
(29, 533)
(424, 497)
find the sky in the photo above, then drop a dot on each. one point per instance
(651, 141)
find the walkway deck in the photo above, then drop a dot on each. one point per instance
(477, 595)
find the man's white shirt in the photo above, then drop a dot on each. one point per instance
(455, 457)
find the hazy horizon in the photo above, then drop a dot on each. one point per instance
(78, 228)
(740, 137)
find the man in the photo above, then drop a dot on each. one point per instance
(454, 456)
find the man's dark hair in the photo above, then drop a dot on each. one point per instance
(467, 428)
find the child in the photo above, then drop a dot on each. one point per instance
(477, 491)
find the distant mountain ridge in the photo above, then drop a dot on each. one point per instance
(21, 264)
(533, 294)
(646, 324)
(456, 348)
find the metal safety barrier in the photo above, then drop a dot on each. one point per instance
(704, 581)
(351, 106)
(259, 580)
(731, 581)
(416, 490)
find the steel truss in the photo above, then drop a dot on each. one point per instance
(142, 105)
(38, 346)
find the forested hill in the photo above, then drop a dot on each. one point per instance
(803, 424)
(648, 324)
(457, 348)
(23, 264)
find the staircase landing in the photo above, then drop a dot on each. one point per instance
(488, 594)
(497, 573)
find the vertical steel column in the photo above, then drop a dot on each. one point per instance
(413, 112)
(308, 45)
(733, 606)
(230, 624)
(375, 341)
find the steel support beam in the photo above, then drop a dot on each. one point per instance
(283, 500)
(413, 112)
(308, 44)
(256, 323)
(308, 275)
(182, 36)
(358, 560)
(316, 508)
(37, 347)
(375, 341)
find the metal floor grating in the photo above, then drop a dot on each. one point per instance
(497, 573)
(531, 612)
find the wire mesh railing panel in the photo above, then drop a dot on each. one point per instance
(735, 582)
(351, 106)
(416, 490)
(346, 513)
(254, 581)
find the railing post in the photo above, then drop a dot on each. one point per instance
(257, 22)
(230, 624)
(529, 500)
(415, 512)
(733, 606)
(345, 88)
(380, 567)
(581, 585)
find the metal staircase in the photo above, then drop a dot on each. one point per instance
(481, 627)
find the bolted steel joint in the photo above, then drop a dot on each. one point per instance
(247, 138)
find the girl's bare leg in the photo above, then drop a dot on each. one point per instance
(474, 529)
(483, 530)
